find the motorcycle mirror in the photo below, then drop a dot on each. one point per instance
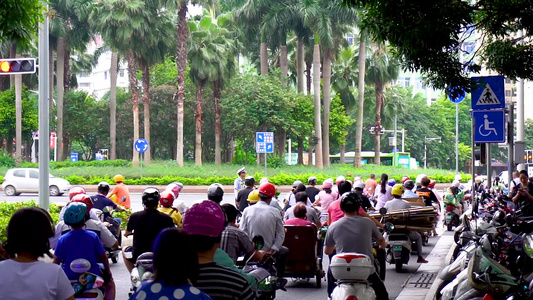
(383, 211)
(80, 266)
(259, 242)
(389, 226)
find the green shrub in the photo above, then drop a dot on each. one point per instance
(6, 160)
(91, 163)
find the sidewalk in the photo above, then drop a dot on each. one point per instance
(423, 285)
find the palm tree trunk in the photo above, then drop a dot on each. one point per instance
(379, 105)
(146, 100)
(300, 63)
(284, 66)
(12, 54)
(113, 105)
(199, 120)
(361, 98)
(60, 75)
(181, 63)
(308, 66)
(218, 123)
(51, 80)
(310, 152)
(343, 153)
(263, 53)
(18, 119)
(66, 83)
(319, 163)
(300, 151)
(326, 76)
(132, 75)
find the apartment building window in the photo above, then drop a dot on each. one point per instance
(105, 75)
(403, 81)
(419, 84)
(350, 39)
(85, 85)
(121, 73)
(508, 80)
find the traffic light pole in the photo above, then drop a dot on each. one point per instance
(44, 123)
(489, 164)
(510, 143)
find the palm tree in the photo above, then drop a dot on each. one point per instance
(382, 68)
(361, 98)
(208, 53)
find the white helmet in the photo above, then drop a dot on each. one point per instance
(458, 177)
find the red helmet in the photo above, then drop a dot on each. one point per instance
(404, 179)
(167, 198)
(77, 190)
(267, 189)
(432, 184)
(175, 188)
(83, 199)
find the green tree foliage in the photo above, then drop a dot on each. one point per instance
(428, 36)
(339, 125)
(19, 20)
(30, 118)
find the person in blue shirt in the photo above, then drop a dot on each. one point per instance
(81, 243)
(409, 185)
(101, 201)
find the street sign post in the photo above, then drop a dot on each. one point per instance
(490, 126)
(490, 93)
(141, 145)
(456, 98)
(73, 157)
(264, 143)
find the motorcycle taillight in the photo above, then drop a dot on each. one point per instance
(351, 297)
(449, 208)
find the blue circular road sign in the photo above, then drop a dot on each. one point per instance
(141, 145)
(456, 95)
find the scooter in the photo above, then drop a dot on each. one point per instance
(351, 271)
(88, 285)
(451, 218)
(114, 227)
(142, 271)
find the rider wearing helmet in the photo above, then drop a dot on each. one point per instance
(145, 225)
(311, 190)
(77, 190)
(166, 201)
(398, 204)
(359, 188)
(175, 188)
(120, 192)
(340, 239)
(242, 196)
(204, 222)
(79, 193)
(404, 179)
(409, 185)
(215, 192)
(100, 201)
(326, 196)
(264, 220)
(80, 243)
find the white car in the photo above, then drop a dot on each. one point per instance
(26, 180)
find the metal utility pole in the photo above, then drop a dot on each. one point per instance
(510, 143)
(395, 139)
(457, 138)
(44, 123)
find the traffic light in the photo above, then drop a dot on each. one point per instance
(528, 156)
(11, 66)
(483, 157)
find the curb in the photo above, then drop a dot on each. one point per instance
(432, 293)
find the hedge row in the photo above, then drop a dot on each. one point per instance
(279, 179)
(7, 209)
(92, 163)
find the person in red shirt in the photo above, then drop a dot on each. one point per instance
(120, 192)
(370, 186)
(300, 213)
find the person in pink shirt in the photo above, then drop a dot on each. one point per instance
(300, 213)
(326, 196)
(334, 210)
(370, 186)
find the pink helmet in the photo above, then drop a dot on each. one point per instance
(340, 179)
(204, 218)
(404, 179)
(175, 188)
(264, 180)
(327, 184)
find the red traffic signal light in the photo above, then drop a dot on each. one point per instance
(17, 66)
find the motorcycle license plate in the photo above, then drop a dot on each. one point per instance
(448, 216)
(397, 248)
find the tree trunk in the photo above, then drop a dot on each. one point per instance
(59, 96)
(199, 121)
(132, 75)
(9, 145)
(264, 59)
(12, 54)
(308, 66)
(51, 80)
(284, 66)
(361, 98)
(218, 123)
(300, 64)
(282, 141)
(300, 151)
(146, 100)
(379, 104)
(113, 70)
(343, 153)
(319, 160)
(310, 152)
(326, 76)
(66, 83)
(181, 63)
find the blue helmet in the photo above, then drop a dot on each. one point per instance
(391, 182)
(75, 213)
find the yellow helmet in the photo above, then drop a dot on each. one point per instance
(118, 178)
(397, 190)
(253, 197)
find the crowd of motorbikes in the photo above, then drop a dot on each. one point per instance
(493, 254)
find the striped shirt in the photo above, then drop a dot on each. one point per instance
(222, 283)
(235, 242)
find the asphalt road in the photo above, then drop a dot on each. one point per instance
(303, 288)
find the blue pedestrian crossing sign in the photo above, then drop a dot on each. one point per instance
(141, 145)
(490, 126)
(490, 92)
(264, 142)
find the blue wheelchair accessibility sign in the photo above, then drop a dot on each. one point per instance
(490, 126)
